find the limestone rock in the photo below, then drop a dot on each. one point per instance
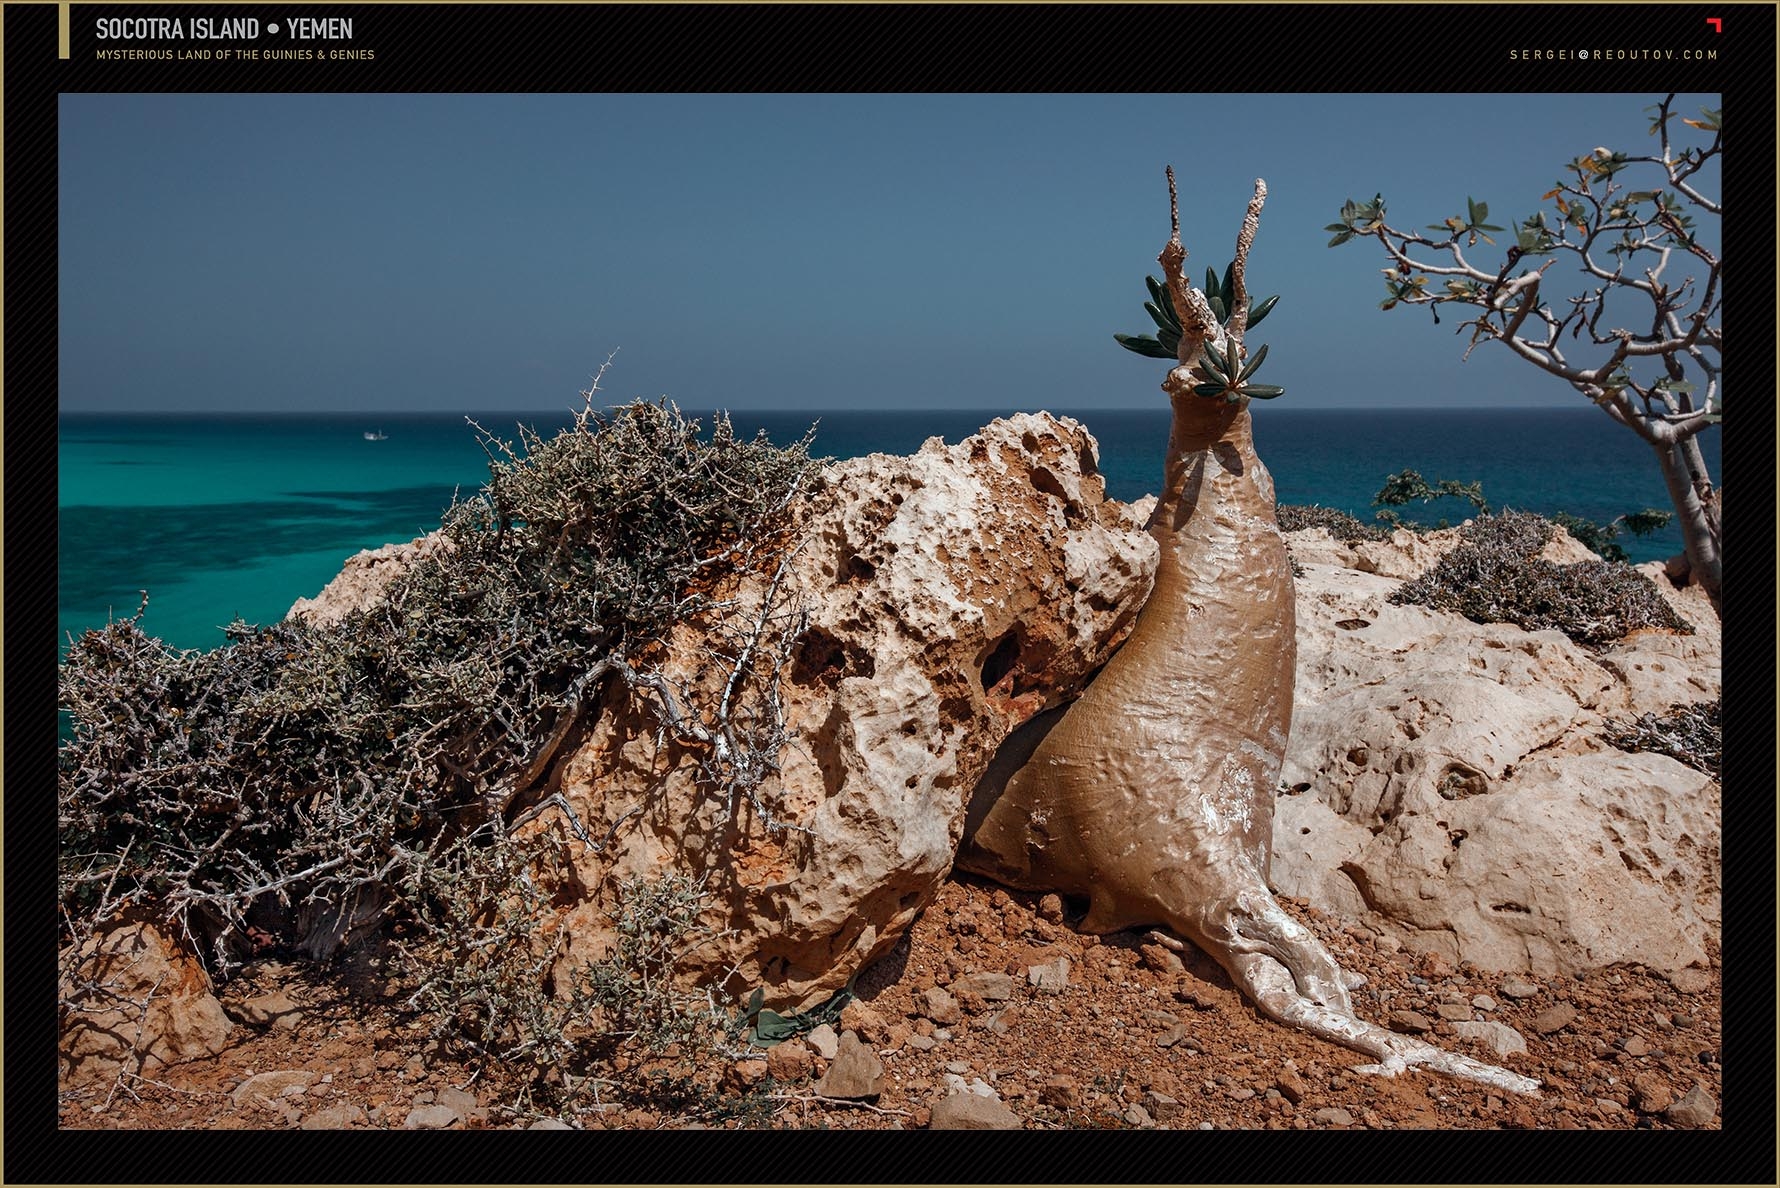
(944, 599)
(146, 1002)
(1502, 1039)
(463, 1102)
(973, 1111)
(432, 1117)
(1405, 554)
(1695, 1109)
(269, 1086)
(825, 1042)
(1651, 1094)
(1059, 1091)
(856, 1072)
(1052, 977)
(1163, 1107)
(337, 1117)
(866, 1020)
(1691, 981)
(745, 1074)
(1449, 786)
(362, 580)
(790, 1060)
(995, 987)
(950, 596)
(938, 1005)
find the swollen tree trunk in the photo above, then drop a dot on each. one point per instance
(1152, 794)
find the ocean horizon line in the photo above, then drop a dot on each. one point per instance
(991, 410)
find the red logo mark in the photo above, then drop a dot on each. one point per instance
(1717, 24)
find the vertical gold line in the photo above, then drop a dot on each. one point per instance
(62, 29)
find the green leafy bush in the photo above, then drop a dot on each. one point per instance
(1401, 488)
(1496, 576)
(1602, 538)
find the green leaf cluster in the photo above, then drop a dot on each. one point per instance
(1711, 119)
(1408, 485)
(1601, 538)
(1357, 218)
(1404, 288)
(1472, 226)
(1230, 375)
(1219, 294)
(1532, 236)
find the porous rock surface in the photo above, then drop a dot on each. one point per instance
(363, 578)
(950, 595)
(1446, 781)
(151, 1005)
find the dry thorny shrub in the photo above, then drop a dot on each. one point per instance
(485, 946)
(1496, 576)
(1689, 733)
(301, 785)
(1341, 525)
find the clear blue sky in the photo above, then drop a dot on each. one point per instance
(409, 252)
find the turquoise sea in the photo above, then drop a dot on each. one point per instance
(219, 517)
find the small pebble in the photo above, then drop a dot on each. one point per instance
(1694, 1110)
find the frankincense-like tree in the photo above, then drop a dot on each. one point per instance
(1643, 339)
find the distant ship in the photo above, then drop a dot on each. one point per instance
(380, 435)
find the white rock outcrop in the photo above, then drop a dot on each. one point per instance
(1447, 781)
(362, 580)
(135, 1000)
(950, 595)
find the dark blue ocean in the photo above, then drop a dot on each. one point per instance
(223, 517)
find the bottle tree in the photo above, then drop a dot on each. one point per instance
(1152, 794)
